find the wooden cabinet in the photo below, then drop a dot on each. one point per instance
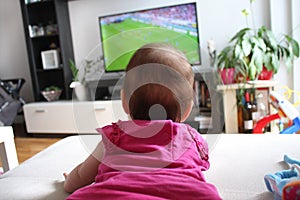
(229, 93)
(71, 117)
(47, 32)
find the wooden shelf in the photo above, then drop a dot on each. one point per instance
(230, 101)
(44, 36)
(247, 85)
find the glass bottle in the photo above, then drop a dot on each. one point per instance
(247, 114)
(261, 109)
(240, 118)
(255, 113)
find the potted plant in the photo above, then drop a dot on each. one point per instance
(78, 83)
(253, 51)
(229, 65)
(87, 68)
(51, 93)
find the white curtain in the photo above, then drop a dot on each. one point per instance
(285, 18)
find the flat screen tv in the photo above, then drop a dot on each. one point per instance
(122, 34)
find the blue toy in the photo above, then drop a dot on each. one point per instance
(276, 182)
(285, 109)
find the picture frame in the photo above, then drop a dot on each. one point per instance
(50, 59)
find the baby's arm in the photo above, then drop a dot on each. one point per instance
(85, 173)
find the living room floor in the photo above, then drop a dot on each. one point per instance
(27, 145)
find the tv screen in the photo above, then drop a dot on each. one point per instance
(122, 34)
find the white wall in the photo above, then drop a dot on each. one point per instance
(219, 20)
(13, 53)
(281, 23)
(285, 18)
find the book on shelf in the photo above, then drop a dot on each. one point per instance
(202, 98)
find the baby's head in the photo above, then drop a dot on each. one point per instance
(158, 84)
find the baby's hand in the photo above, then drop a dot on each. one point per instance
(65, 175)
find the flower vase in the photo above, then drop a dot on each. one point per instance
(81, 91)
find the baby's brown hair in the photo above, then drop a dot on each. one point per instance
(158, 83)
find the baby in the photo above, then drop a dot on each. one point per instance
(154, 155)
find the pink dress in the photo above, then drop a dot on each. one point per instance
(151, 160)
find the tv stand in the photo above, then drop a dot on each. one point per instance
(100, 89)
(71, 117)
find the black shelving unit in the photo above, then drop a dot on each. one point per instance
(47, 27)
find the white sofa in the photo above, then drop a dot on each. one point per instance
(238, 165)
(8, 153)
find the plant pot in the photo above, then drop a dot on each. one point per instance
(81, 91)
(265, 74)
(227, 75)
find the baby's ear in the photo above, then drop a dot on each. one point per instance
(124, 102)
(187, 112)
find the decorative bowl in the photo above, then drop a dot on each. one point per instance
(51, 95)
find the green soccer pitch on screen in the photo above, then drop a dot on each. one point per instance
(122, 34)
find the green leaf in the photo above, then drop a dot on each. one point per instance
(261, 31)
(294, 44)
(258, 42)
(241, 68)
(289, 63)
(252, 71)
(224, 57)
(238, 52)
(257, 59)
(268, 61)
(261, 44)
(275, 63)
(221, 63)
(226, 50)
(247, 47)
(270, 40)
(74, 69)
(280, 52)
(289, 58)
(286, 52)
(52, 88)
(239, 35)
